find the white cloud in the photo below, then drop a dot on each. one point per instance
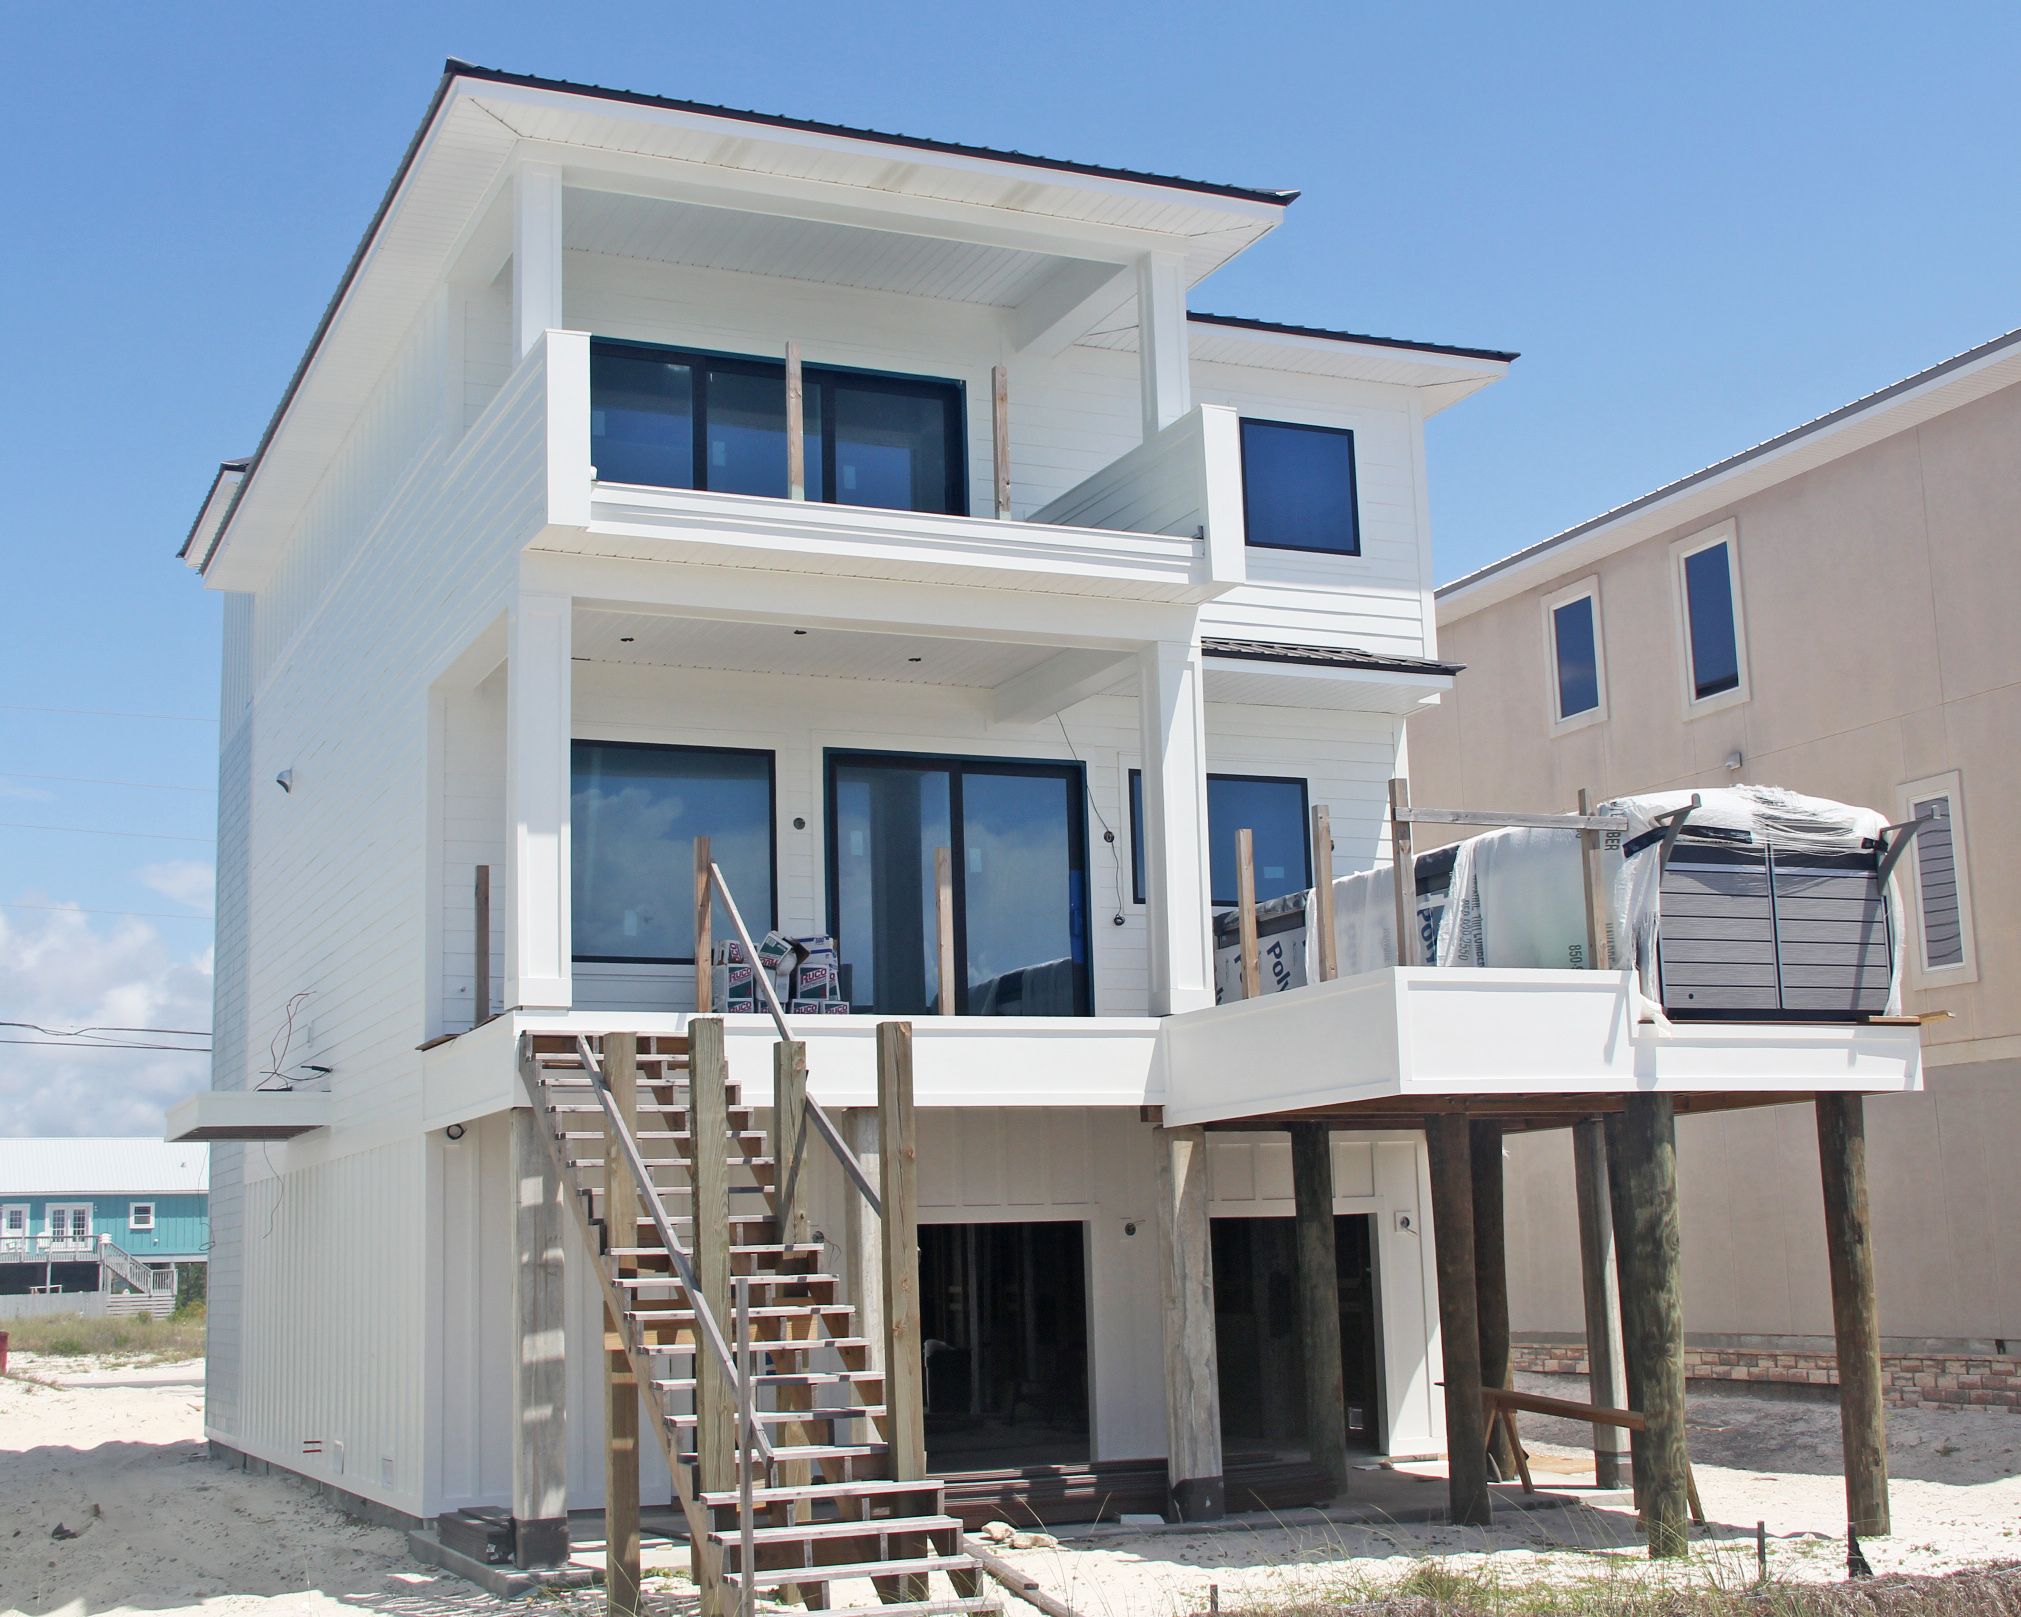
(187, 881)
(63, 971)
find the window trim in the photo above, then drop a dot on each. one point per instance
(1249, 539)
(812, 376)
(1587, 588)
(1081, 848)
(1917, 973)
(133, 1216)
(25, 1229)
(1132, 787)
(771, 757)
(50, 1211)
(1681, 551)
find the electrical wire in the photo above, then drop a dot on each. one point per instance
(1094, 808)
(98, 831)
(106, 1027)
(92, 780)
(107, 713)
(107, 1044)
(85, 909)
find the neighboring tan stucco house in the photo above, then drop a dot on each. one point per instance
(1856, 639)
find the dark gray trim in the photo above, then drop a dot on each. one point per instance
(1271, 651)
(225, 469)
(1282, 328)
(1733, 462)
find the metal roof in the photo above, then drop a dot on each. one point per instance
(1242, 322)
(1275, 651)
(1722, 477)
(101, 1167)
(455, 68)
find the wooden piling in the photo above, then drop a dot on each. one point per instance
(621, 1387)
(1491, 1276)
(1403, 861)
(1322, 959)
(1193, 1464)
(705, 906)
(1451, 1152)
(1842, 1159)
(1606, 1380)
(796, 426)
(1245, 905)
(943, 929)
(709, 1177)
(789, 1136)
(898, 1230)
(1642, 1170)
(999, 418)
(1319, 1300)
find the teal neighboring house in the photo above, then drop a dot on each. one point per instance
(120, 1216)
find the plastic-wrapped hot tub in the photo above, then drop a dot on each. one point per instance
(1770, 906)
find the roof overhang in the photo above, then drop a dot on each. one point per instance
(1708, 494)
(1271, 674)
(247, 1114)
(482, 125)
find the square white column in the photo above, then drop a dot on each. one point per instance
(537, 720)
(536, 254)
(1161, 341)
(1176, 889)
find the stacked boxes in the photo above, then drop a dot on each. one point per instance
(806, 974)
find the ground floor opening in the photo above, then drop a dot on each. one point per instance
(1004, 1316)
(1260, 1343)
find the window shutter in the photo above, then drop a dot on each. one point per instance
(1937, 885)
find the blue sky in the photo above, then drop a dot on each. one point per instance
(1700, 225)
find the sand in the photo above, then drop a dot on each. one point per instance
(117, 1457)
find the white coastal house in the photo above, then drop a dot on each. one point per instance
(876, 509)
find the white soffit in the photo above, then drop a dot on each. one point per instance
(1949, 386)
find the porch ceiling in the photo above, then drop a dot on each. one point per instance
(651, 640)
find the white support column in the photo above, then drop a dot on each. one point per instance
(1161, 340)
(537, 717)
(536, 254)
(1176, 892)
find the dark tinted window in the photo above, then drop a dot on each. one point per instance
(1273, 809)
(1715, 643)
(673, 420)
(635, 814)
(1298, 487)
(1578, 664)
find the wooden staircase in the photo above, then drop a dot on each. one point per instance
(798, 1463)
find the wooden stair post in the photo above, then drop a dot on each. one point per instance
(904, 1356)
(709, 1177)
(621, 1386)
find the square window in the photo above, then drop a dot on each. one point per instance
(140, 1216)
(1272, 807)
(1298, 488)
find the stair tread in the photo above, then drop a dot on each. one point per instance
(756, 1249)
(798, 1532)
(928, 1607)
(869, 1488)
(786, 1378)
(779, 1577)
(827, 1451)
(786, 1417)
(633, 1282)
(783, 1345)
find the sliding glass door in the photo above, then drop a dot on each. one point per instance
(1019, 846)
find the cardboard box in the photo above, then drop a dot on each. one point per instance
(728, 952)
(776, 952)
(815, 979)
(736, 988)
(809, 1007)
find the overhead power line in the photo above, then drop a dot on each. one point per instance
(65, 1044)
(97, 1027)
(108, 713)
(92, 780)
(100, 831)
(85, 909)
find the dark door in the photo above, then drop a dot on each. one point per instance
(1019, 849)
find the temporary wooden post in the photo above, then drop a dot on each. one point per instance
(1403, 861)
(1491, 1276)
(904, 1352)
(1245, 898)
(1319, 1299)
(860, 1232)
(1606, 1381)
(1193, 1466)
(1451, 1151)
(999, 393)
(789, 1136)
(943, 927)
(1842, 1156)
(621, 1386)
(796, 427)
(705, 902)
(1321, 947)
(1642, 1169)
(709, 1176)
(1589, 872)
(540, 1351)
(480, 949)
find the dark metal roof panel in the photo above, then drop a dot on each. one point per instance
(1283, 328)
(1273, 651)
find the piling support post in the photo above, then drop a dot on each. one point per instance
(1193, 1465)
(1642, 1170)
(1600, 1285)
(1319, 1300)
(1842, 1159)
(1451, 1152)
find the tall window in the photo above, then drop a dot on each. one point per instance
(635, 814)
(1714, 645)
(70, 1221)
(14, 1221)
(1271, 807)
(1578, 677)
(671, 418)
(1298, 488)
(1943, 902)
